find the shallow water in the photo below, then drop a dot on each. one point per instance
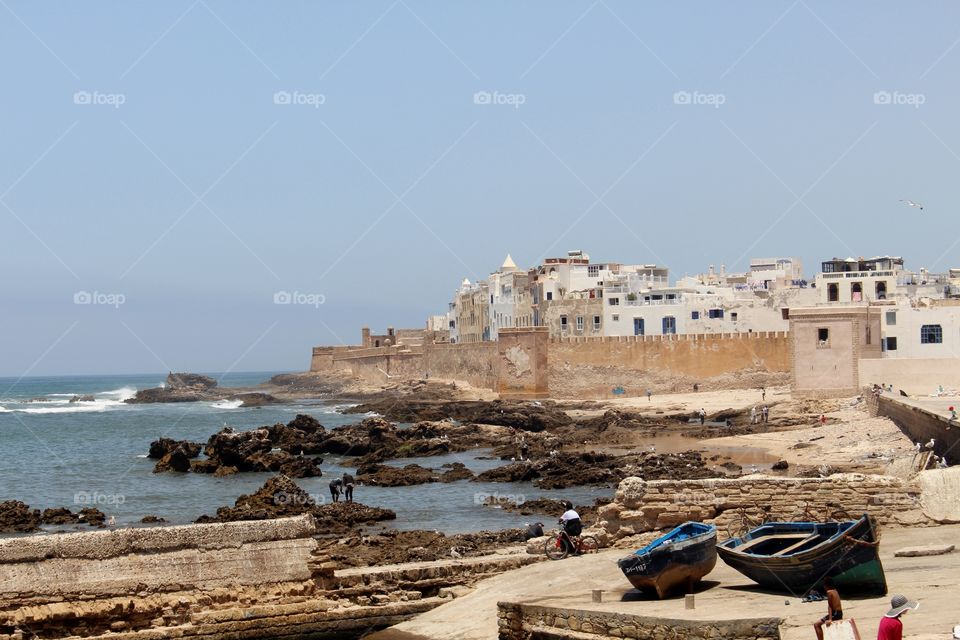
(94, 454)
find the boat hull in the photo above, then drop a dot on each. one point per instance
(854, 567)
(672, 566)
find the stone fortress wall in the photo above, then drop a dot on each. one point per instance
(527, 363)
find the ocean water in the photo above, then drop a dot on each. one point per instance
(61, 454)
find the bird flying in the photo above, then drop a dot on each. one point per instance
(911, 203)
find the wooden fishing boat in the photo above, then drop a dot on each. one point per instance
(797, 556)
(679, 558)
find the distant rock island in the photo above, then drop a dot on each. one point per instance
(194, 387)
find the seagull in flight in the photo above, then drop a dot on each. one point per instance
(911, 203)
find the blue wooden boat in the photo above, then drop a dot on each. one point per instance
(678, 559)
(796, 556)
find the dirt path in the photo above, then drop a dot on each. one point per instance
(934, 581)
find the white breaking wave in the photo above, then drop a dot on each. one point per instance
(123, 393)
(4, 410)
(227, 404)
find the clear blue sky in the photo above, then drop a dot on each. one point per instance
(199, 197)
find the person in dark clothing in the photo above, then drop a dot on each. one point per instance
(534, 530)
(335, 486)
(347, 487)
(571, 525)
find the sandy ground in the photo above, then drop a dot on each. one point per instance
(850, 439)
(710, 401)
(934, 581)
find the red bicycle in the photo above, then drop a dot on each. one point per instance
(559, 544)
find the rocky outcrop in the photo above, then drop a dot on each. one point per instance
(526, 416)
(18, 517)
(564, 470)
(411, 474)
(190, 381)
(193, 387)
(281, 497)
(163, 446)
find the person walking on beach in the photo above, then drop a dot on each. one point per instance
(649, 393)
(347, 487)
(834, 608)
(763, 394)
(335, 485)
(891, 628)
(753, 415)
(703, 416)
(766, 412)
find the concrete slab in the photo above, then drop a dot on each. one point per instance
(929, 550)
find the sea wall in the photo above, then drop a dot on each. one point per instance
(522, 622)
(640, 506)
(52, 568)
(476, 363)
(526, 363)
(223, 581)
(919, 424)
(591, 367)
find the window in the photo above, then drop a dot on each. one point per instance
(549, 295)
(869, 333)
(579, 323)
(856, 292)
(669, 325)
(785, 313)
(833, 292)
(931, 334)
(881, 290)
(638, 329)
(891, 344)
(715, 313)
(616, 317)
(491, 298)
(733, 316)
(891, 318)
(596, 323)
(614, 301)
(823, 337)
(593, 270)
(694, 315)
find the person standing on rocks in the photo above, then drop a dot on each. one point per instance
(703, 416)
(347, 487)
(753, 415)
(763, 394)
(891, 628)
(766, 412)
(335, 485)
(834, 608)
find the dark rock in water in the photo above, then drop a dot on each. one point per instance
(306, 423)
(225, 471)
(254, 399)
(176, 460)
(190, 380)
(255, 451)
(92, 516)
(383, 476)
(281, 497)
(455, 471)
(527, 416)
(163, 446)
(207, 466)
(514, 472)
(83, 398)
(152, 519)
(59, 516)
(18, 517)
(780, 465)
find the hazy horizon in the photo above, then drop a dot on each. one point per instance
(172, 169)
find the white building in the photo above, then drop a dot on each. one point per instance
(509, 298)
